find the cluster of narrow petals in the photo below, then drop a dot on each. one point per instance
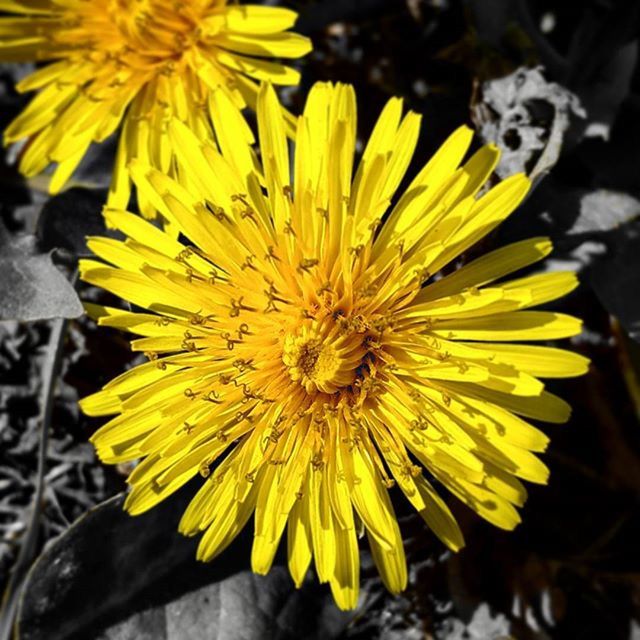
(303, 358)
(138, 64)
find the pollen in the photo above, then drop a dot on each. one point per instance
(167, 28)
(321, 359)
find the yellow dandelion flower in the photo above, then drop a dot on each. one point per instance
(139, 63)
(302, 358)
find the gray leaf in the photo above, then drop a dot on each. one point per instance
(116, 577)
(243, 606)
(615, 277)
(527, 117)
(604, 210)
(31, 287)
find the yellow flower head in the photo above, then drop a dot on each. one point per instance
(140, 63)
(303, 359)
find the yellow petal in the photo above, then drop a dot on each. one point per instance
(257, 19)
(391, 563)
(279, 45)
(546, 407)
(299, 538)
(543, 362)
(345, 582)
(518, 325)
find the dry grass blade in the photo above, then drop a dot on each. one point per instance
(30, 543)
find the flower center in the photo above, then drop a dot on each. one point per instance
(321, 357)
(157, 28)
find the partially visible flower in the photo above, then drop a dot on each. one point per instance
(139, 63)
(302, 357)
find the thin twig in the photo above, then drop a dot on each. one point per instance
(627, 367)
(51, 368)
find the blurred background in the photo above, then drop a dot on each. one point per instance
(557, 86)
